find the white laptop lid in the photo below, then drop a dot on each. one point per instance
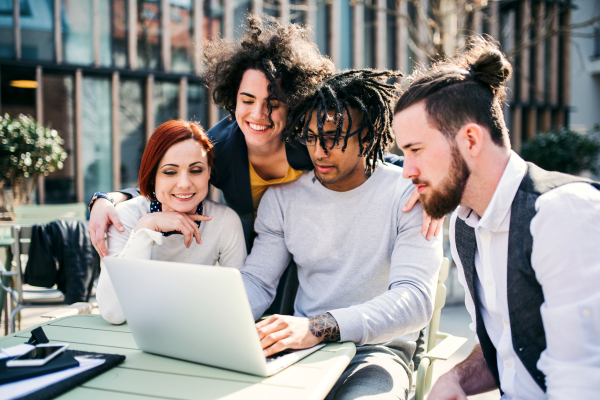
(188, 311)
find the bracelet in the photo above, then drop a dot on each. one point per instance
(100, 195)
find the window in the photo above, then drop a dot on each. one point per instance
(59, 113)
(119, 33)
(323, 25)
(97, 141)
(132, 128)
(166, 101)
(37, 30)
(7, 37)
(182, 49)
(148, 34)
(77, 31)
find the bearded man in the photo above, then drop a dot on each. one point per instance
(525, 240)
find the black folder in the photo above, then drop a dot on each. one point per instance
(58, 388)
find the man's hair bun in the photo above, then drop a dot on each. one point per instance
(487, 65)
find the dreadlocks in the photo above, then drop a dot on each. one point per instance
(284, 53)
(363, 90)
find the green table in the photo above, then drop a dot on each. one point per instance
(144, 375)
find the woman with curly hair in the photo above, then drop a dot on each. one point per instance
(257, 80)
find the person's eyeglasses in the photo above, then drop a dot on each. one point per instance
(330, 141)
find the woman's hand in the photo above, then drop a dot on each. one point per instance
(102, 215)
(174, 221)
(429, 227)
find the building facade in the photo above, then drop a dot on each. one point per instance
(105, 73)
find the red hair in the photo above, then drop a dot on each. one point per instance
(165, 136)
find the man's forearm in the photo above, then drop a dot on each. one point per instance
(324, 326)
(474, 374)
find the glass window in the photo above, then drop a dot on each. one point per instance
(37, 30)
(105, 36)
(7, 37)
(97, 141)
(182, 49)
(369, 53)
(391, 45)
(198, 104)
(213, 18)
(119, 33)
(132, 126)
(298, 11)
(148, 34)
(166, 102)
(58, 113)
(346, 33)
(242, 8)
(271, 7)
(322, 28)
(77, 31)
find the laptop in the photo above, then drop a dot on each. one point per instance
(195, 313)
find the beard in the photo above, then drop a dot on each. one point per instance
(444, 200)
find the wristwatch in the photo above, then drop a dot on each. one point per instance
(101, 195)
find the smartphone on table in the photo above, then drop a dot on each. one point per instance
(39, 355)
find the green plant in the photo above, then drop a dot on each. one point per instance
(564, 151)
(28, 150)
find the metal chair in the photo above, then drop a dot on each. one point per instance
(19, 297)
(449, 344)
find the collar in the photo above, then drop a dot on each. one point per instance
(156, 206)
(495, 218)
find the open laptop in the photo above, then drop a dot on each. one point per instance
(195, 313)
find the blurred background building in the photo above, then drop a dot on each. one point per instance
(105, 73)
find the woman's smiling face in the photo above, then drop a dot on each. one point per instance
(252, 113)
(182, 177)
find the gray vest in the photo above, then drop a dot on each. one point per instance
(524, 293)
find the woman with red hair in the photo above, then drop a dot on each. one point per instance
(172, 215)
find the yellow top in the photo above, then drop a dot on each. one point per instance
(258, 185)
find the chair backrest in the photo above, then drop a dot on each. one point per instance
(42, 214)
(440, 301)
(22, 240)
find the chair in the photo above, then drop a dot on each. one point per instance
(436, 351)
(41, 214)
(29, 215)
(25, 298)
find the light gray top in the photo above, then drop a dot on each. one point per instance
(222, 242)
(359, 256)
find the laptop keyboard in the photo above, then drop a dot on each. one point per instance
(275, 356)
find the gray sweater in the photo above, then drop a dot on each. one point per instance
(359, 256)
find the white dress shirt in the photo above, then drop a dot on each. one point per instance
(222, 242)
(566, 261)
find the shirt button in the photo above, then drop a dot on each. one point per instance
(505, 321)
(132, 236)
(121, 255)
(489, 283)
(484, 235)
(508, 364)
(586, 313)
(494, 226)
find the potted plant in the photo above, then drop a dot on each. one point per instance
(564, 151)
(28, 150)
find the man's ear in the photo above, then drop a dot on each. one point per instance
(470, 139)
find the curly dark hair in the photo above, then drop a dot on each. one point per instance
(284, 53)
(365, 91)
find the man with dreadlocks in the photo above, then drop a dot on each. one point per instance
(366, 274)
